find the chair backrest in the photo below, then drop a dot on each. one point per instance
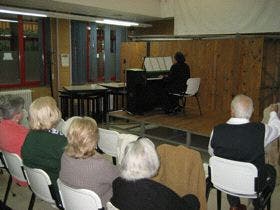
(14, 165)
(233, 177)
(110, 206)
(108, 141)
(192, 86)
(2, 164)
(39, 182)
(78, 199)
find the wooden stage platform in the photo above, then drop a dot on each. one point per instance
(190, 123)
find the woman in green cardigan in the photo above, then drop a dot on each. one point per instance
(44, 145)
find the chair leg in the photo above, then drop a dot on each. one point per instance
(268, 203)
(219, 199)
(8, 189)
(198, 104)
(32, 201)
(209, 186)
(114, 160)
(184, 104)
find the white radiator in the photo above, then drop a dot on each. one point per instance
(25, 94)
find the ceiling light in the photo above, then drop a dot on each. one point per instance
(117, 22)
(22, 13)
(10, 21)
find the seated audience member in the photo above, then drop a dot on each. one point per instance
(135, 190)
(175, 82)
(12, 134)
(81, 165)
(44, 145)
(241, 140)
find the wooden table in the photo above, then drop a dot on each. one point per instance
(82, 92)
(116, 89)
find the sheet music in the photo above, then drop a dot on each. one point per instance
(161, 64)
(155, 63)
(168, 62)
(148, 64)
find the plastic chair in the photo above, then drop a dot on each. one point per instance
(192, 91)
(236, 178)
(108, 142)
(15, 168)
(41, 186)
(110, 206)
(2, 163)
(78, 199)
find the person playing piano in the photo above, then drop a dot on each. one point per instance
(175, 82)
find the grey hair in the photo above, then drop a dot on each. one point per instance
(242, 106)
(11, 105)
(140, 160)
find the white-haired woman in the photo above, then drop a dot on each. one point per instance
(44, 145)
(81, 165)
(135, 190)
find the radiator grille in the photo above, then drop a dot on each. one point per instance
(25, 94)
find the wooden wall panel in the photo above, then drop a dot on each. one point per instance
(132, 55)
(250, 69)
(64, 43)
(205, 69)
(60, 44)
(226, 67)
(40, 91)
(269, 92)
(224, 70)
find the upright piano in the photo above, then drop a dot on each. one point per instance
(145, 86)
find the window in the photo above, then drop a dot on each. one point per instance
(22, 51)
(95, 52)
(9, 50)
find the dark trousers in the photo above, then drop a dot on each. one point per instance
(268, 177)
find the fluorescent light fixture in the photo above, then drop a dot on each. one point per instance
(10, 21)
(21, 13)
(117, 22)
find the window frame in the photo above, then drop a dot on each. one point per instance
(21, 54)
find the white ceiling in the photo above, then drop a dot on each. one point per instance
(132, 10)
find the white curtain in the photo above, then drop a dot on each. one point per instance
(193, 17)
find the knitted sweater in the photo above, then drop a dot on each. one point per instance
(94, 173)
(43, 150)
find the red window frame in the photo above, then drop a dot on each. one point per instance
(23, 82)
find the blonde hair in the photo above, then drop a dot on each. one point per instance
(44, 113)
(82, 137)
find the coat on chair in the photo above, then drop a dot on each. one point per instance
(182, 170)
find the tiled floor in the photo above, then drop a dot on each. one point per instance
(23, 194)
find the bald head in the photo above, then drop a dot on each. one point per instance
(242, 106)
